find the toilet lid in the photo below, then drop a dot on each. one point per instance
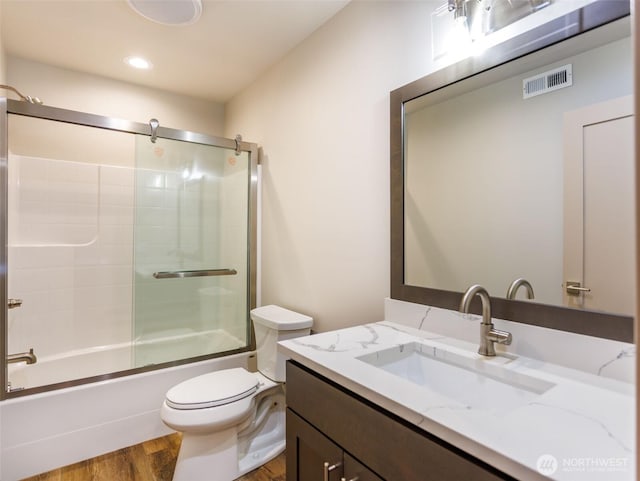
(212, 389)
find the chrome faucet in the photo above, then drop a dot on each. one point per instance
(28, 357)
(488, 335)
(513, 288)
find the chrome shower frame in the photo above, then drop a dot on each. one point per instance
(9, 106)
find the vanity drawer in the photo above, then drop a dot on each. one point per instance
(387, 445)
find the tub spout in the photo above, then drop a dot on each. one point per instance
(28, 357)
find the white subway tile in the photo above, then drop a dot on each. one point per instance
(151, 216)
(64, 171)
(87, 255)
(116, 215)
(22, 281)
(30, 257)
(116, 195)
(121, 275)
(110, 175)
(116, 254)
(150, 197)
(30, 167)
(60, 277)
(30, 190)
(61, 299)
(87, 297)
(116, 234)
(150, 179)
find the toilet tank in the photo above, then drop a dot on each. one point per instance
(273, 324)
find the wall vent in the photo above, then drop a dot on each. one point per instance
(546, 82)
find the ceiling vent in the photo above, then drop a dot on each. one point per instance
(168, 12)
(546, 82)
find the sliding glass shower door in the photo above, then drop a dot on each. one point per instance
(121, 253)
(191, 258)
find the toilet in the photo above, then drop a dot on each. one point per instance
(233, 420)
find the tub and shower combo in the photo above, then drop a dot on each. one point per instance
(128, 264)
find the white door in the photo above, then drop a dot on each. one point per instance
(599, 213)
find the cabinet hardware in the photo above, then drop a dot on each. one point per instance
(328, 468)
(352, 479)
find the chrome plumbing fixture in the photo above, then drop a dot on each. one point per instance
(26, 98)
(488, 335)
(515, 285)
(13, 303)
(28, 357)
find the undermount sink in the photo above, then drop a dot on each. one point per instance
(477, 383)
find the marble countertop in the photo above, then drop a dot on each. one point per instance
(581, 427)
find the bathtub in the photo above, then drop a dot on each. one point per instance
(44, 431)
(95, 361)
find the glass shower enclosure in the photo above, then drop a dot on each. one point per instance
(126, 247)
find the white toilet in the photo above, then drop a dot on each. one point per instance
(233, 421)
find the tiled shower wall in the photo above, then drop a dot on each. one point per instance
(71, 251)
(70, 254)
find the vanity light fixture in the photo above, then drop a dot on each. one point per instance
(138, 62)
(459, 9)
(483, 17)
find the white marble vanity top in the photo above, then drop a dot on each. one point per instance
(580, 427)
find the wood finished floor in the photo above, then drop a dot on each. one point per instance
(152, 460)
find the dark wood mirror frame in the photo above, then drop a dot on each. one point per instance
(550, 35)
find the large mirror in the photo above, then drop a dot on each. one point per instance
(512, 166)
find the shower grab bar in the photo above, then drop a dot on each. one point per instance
(198, 273)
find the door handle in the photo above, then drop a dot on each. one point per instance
(328, 468)
(574, 288)
(196, 273)
(13, 303)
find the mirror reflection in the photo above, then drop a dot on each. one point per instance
(526, 171)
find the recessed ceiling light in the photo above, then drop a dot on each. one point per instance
(168, 12)
(138, 62)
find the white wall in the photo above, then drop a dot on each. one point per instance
(3, 69)
(84, 92)
(322, 118)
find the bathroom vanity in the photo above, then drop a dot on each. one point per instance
(387, 401)
(328, 427)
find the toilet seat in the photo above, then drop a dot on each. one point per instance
(213, 389)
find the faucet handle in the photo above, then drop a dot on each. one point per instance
(13, 303)
(501, 337)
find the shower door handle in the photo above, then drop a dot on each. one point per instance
(196, 273)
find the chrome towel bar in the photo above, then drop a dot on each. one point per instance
(197, 273)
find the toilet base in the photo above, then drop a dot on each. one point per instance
(227, 455)
(204, 457)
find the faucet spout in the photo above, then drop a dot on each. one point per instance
(482, 293)
(515, 285)
(28, 357)
(488, 335)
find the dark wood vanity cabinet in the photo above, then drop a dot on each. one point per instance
(334, 434)
(317, 458)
